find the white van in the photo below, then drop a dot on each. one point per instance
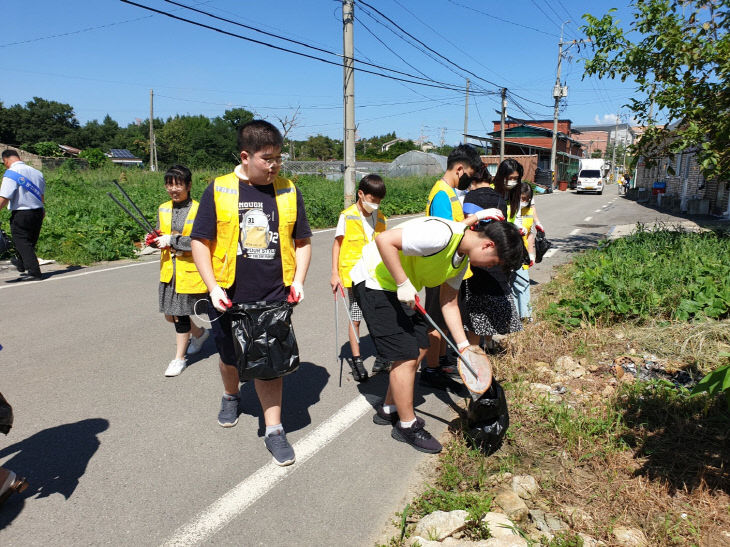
(592, 176)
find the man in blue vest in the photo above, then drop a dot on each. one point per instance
(22, 191)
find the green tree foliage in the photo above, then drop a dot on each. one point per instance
(94, 156)
(678, 53)
(48, 149)
(41, 120)
(320, 147)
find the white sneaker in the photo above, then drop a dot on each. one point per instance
(197, 343)
(175, 367)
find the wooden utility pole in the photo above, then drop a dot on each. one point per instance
(466, 112)
(153, 146)
(558, 93)
(615, 142)
(348, 64)
(501, 125)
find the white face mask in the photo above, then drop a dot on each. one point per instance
(523, 204)
(511, 183)
(369, 207)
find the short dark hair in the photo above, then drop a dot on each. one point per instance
(507, 240)
(258, 134)
(178, 173)
(9, 153)
(373, 185)
(466, 155)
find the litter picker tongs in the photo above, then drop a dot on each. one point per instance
(143, 223)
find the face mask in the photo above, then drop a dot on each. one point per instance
(511, 183)
(369, 207)
(523, 204)
(464, 182)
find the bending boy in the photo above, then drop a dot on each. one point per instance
(423, 252)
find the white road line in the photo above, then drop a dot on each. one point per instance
(244, 494)
(597, 211)
(587, 219)
(573, 232)
(61, 277)
(550, 252)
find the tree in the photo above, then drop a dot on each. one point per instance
(287, 124)
(94, 156)
(43, 120)
(678, 53)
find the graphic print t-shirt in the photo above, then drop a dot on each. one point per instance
(259, 274)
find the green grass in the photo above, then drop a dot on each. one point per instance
(83, 225)
(649, 276)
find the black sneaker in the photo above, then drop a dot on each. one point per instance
(417, 437)
(381, 418)
(439, 380)
(15, 261)
(358, 369)
(381, 365)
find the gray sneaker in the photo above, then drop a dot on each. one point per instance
(228, 416)
(280, 448)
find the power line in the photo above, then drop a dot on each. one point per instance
(439, 85)
(362, 2)
(502, 19)
(297, 42)
(435, 31)
(386, 46)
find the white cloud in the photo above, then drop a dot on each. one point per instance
(606, 119)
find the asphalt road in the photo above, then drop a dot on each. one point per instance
(117, 454)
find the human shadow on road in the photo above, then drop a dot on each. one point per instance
(302, 389)
(53, 461)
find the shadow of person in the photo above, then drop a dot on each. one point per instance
(53, 461)
(302, 389)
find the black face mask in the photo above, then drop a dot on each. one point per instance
(464, 182)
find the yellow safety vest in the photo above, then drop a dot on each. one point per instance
(528, 218)
(224, 248)
(456, 210)
(354, 240)
(187, 278)
(424, 271)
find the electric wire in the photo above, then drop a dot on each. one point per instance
(503, 20)
(439, 85)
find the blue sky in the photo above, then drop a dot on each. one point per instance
(103, 56)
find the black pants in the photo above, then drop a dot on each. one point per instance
(25, 226)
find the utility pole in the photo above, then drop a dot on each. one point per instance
(348, 64)
(153, 145)
(559, 92)
(466, 111)
(501, 125)
(442, 140)
(615, 142)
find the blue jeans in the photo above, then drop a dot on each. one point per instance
(521, 293)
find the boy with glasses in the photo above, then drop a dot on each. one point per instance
(252, 247)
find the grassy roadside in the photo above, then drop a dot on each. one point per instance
(609, 447)
(83, 225)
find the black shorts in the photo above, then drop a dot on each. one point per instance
(433, 307)
(397, 331)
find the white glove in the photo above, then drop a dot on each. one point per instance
(296, 293)
(220, 299)
(163, 241)
(532, 259)
(523, 232)
(407, 293)
(490, 214)
(539, 227)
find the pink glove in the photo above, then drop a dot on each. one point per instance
(539, 227)
(296, 293)
(523, 232)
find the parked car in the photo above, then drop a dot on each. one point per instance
(591, 176)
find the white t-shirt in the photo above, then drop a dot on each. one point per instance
(368, 225)
(421, 237)
(20, 198)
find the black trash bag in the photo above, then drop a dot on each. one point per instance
(488, 419)
(6, 415)
(7, 248)
(264, 340)
(542, 244)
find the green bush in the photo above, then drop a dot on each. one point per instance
(83, 225)
(662, 275)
